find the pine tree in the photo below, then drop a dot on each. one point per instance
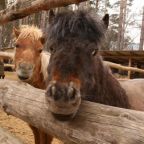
(113, 33)
(142, 33)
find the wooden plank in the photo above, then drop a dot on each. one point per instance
(7, 55)
(119, 66)
(93, 124)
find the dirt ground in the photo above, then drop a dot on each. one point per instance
(16, 126)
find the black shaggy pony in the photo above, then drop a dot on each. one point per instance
(76, 71)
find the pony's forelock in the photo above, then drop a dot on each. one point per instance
(81, 25)
(31, 32)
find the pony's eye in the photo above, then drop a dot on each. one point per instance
(52, 50)
(17, 46)
(40, 50)
(94, 52)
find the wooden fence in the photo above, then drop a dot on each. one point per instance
(93, 124)
(10, 55)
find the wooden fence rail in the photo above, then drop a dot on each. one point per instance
(93, 124)
(121, 67)
(110, 64)
(9, 55)
(23, 8)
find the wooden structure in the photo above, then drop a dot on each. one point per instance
(7, 49)
(7, 58)
(126, 58)
(116, 59)
(93, 124)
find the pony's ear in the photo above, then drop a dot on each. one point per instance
(42, 39)
(16, 32)
(106, 20)
(51, 15)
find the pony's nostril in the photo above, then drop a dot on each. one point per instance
(21, 65)
(53, 90)
(26, 66)
(30, 67)
(71, 93)
(54, 93)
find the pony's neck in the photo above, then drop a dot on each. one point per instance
(40, 74)
(38, 80)
(107, 89)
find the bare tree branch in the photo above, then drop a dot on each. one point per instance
(24, 8)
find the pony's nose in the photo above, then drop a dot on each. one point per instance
(62, 92)
(26, 66)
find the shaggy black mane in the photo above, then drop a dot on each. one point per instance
(78, 24)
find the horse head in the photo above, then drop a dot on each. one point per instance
(28, 47)
(74, 39)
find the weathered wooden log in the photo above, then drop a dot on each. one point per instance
(7, 138)
(24, 8)
(93, 124)
(119, 66)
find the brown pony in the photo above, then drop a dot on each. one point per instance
(30, 64)
(76, 70)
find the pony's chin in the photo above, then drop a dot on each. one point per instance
(24, 75)
(23, 78)
(63, 111)
(62, 117)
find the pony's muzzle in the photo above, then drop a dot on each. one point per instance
(24, 70)
(63, 98)
(63, 92)
(26, 66)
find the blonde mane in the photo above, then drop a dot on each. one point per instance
(45, 56)
(31, 32)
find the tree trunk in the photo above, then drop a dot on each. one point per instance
(93, 124)
(97, 5)
(142, 33)
(121, 26)
(43, 20)
(2, 6)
